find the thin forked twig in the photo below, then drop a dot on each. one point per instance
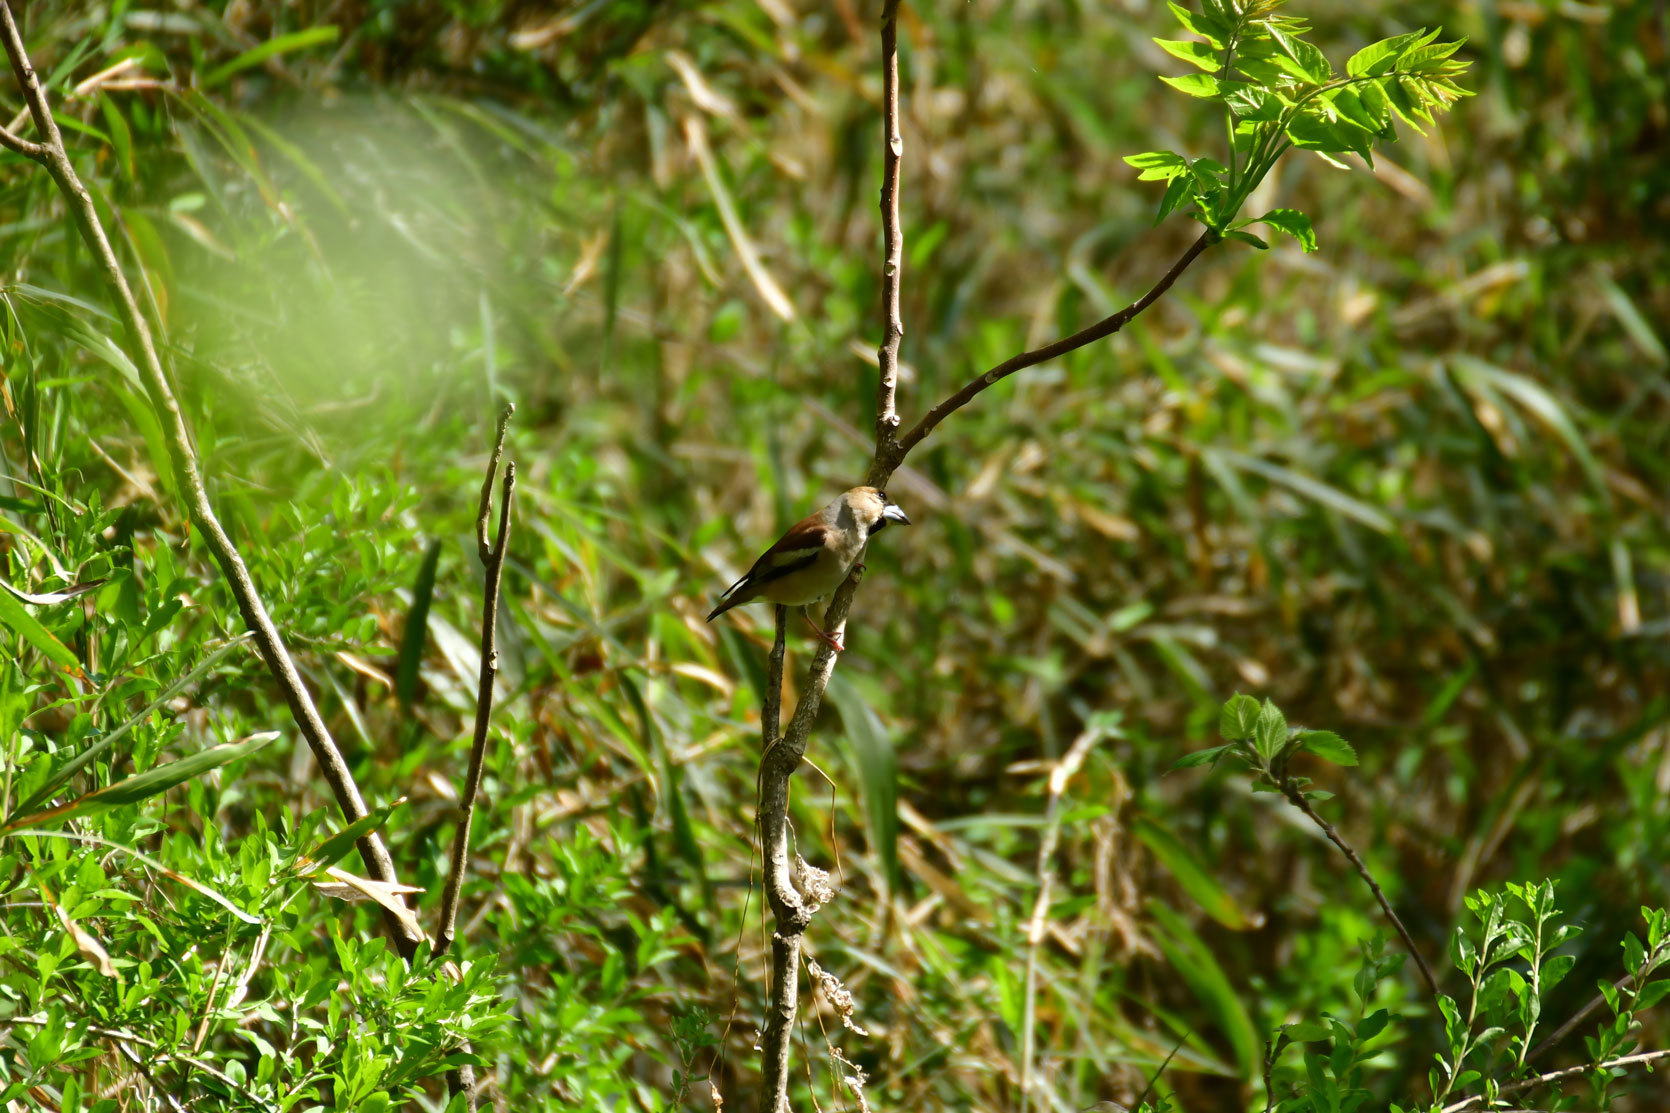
(1636, 1060)
(1107, 326)
(492, 560)
(49, 152)
(461, 1079)
(1296, 797)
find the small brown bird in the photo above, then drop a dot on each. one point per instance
(814, 556)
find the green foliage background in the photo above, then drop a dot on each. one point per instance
(1412, 486)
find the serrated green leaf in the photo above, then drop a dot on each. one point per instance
(1298, 57)
(1238, 718)
(1406, 104)
(1196, 54)
(1195, 84)
(1214, 30)
(1176, 193)
(1201, 757)
(1250, 102)
(1312, 131)
(1294, 223)
(1378, 59)
(1350, 106)
(1246, 238)
(1158, 165)
(1328, 746)
(1270, 731)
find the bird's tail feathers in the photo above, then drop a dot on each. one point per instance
(734, 596)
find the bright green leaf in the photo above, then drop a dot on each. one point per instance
(1239, 718)
(1329, 746)
(1378, 59)
(1197, 54)
(1294, 223)
(1194, 84)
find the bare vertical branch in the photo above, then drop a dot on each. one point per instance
(462, 1080)
(49, 151)
(786, 905)
(893, 238)
(782, 755)
(492, 561)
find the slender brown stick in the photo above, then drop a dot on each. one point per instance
(25, 147)
(1296, 797)
(492, 562)
(1561, 1075)
(462, 1080)
(1107, 326)
(51, 154)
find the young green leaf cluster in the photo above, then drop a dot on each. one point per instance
(1633, 995)
(1258, 735)
(1509, 966)
(1279, 92)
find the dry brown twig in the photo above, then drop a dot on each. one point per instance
(781, 756)
(462, 1080)
(50, 153)
(492, 562)
(1297, 798)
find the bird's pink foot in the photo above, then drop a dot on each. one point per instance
(832, 641)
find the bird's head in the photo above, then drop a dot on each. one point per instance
(872, 509)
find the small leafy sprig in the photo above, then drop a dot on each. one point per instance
(1636, 993)
(1509, 966)
(1258, 735)
(1279, 92)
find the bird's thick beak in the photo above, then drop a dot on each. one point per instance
(893, 514)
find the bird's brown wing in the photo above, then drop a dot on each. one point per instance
(798, 548)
